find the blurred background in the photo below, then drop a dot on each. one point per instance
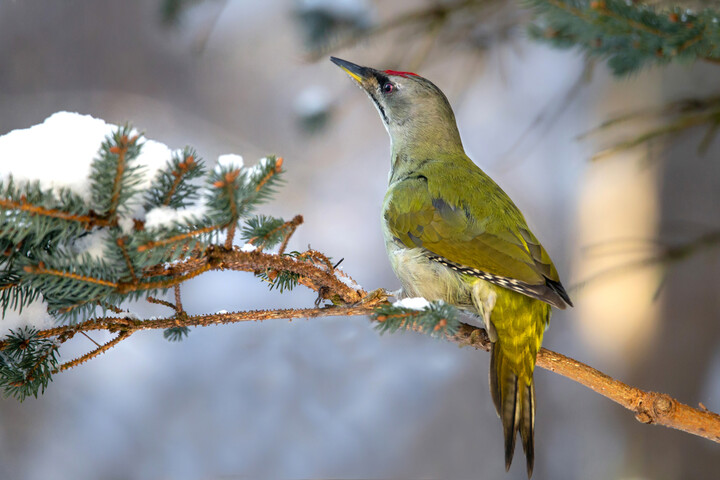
(633, 234)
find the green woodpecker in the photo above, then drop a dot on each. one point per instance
(453, 234)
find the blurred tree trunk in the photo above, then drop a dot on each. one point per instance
(688, 336)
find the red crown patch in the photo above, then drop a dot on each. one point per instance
(402, 74)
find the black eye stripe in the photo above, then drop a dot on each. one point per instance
(380, 108)
(382, 79)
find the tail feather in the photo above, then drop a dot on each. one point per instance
(527, 427)
(514, 400)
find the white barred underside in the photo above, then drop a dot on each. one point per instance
(424, 276)
(509, 283)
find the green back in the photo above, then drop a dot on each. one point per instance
(474, 225)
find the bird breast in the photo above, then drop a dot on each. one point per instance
(422, 277)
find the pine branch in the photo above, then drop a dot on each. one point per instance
(123, 335)
(630, 35)
(40, 243)
(266, 232)
(649, 407)
(22, 205)
(173, 186)
(43, 234)
(317, 274)
(114, 175)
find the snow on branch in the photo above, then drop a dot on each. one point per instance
(157, 227)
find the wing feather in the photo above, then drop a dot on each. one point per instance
(466, 237)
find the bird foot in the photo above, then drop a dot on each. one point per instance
(375, 297)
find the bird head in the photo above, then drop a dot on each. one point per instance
(415, 112)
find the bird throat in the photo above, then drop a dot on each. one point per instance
(380, 109)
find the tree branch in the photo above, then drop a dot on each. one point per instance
(318, 275)
(649, 407)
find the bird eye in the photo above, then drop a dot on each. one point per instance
(388, 87)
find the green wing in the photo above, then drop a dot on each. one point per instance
(478, 231)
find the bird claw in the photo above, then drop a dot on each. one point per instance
(377, 296)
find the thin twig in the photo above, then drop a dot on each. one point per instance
(88, 337)
(41, 270)
(89, 220)
(420, 16)
(160, 301)
(117, 183)
(128, 262)
(102, 349)
(649, 407)
(178, 300)
(292, 224)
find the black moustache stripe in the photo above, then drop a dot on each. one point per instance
(380, 108)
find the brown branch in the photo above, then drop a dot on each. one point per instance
(183, 168)
(270, 174)
(601, 9)
(133, 325)
(178, 300)
(230, 233)
(423, 16)
(649, 407)
(294, 223)
(160, 301)
(178, 238)
(124, 288)
(121, 151)
(90, 220)
(90, 338)
(102, 349)
(318, 274)
(632, 23)
(121, 244)
(178, 178)
(41, 270)
(289, 226)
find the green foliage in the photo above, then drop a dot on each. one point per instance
(172, 10)
(281, 280)
(12, 295)
(437, 319)
(21, 224)
(114, 176)
(264, 231)
(26, 363)
(174, 187)
(63, 291)
(630, 35)
(176, 334)
(80, 255)
(26, 236)
(45, 235)
(236, 193)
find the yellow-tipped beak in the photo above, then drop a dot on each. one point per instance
(357, 72)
